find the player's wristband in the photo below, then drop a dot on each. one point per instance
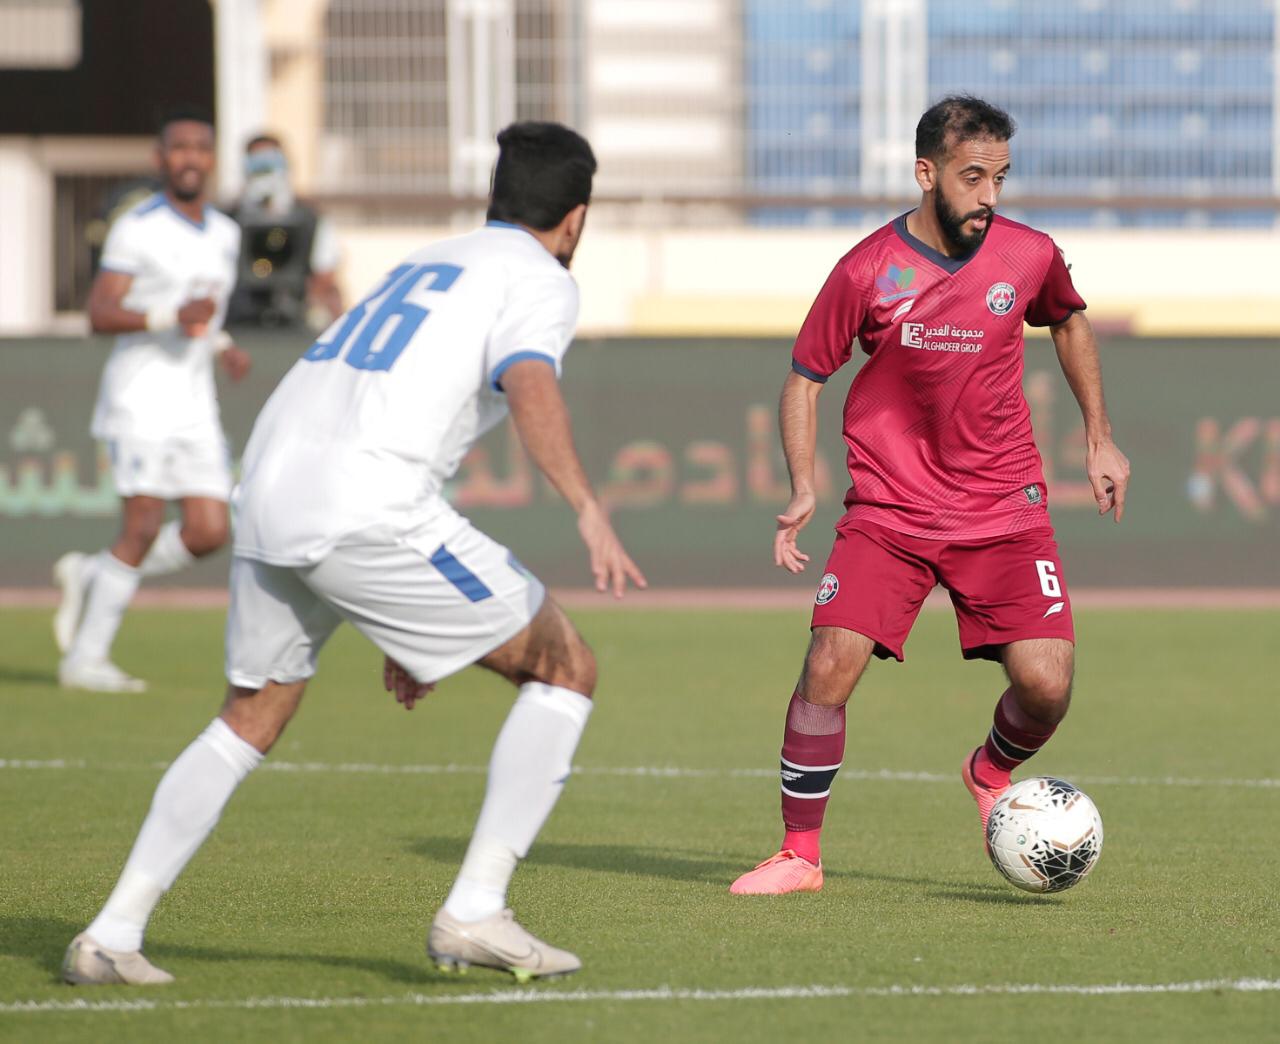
(221, 342)
(162, 317)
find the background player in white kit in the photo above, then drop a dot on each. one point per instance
(168, 267)
(339, 516)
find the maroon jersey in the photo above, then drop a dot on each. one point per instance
(938, 429)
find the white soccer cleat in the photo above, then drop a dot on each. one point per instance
(99, 676)
(68, 574)
(88, 964)
(497, 942)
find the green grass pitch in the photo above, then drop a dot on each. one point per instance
(321, 879)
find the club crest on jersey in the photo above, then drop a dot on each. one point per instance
(828, 588)
(895, 284)
(1000, 298)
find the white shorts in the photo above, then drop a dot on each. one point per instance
(435, 600)
(171, 469)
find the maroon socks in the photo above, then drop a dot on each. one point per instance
(812, 750)
(1014, 737)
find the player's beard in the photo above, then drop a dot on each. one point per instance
(952, 224)
(186, 191)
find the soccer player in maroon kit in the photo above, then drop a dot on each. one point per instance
(947, 481)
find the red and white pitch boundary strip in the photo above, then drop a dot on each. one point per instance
(627, 771)
(661, 993)
(727, 598)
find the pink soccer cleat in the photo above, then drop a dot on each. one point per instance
(780, 874)
(986, 797)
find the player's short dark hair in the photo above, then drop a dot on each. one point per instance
(182, 114)
(544, 170)
(957, 118)
(263, 139)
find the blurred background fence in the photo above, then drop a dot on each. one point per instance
(740, 119)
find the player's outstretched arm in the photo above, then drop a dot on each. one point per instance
(542, 421)
(1106, 466)
(798, 422)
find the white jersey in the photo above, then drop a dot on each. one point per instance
(366, 427)
(159, 384)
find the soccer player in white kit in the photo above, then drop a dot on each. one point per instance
(168, 267)
(339, 516)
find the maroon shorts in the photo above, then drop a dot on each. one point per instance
(1004, 588)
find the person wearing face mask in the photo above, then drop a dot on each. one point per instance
(289, 253)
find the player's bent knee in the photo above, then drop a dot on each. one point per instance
(834, 663)
(1044, 694)
(140, 530)
(827, 680)
(571, 664)
(549, 650)
(259, 716)
(205, 539)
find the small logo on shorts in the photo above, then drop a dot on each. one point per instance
(1055, 608)
(828, 588)
(1000, 298)
(1033, 494)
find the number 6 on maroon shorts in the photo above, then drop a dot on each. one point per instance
(1004, 588)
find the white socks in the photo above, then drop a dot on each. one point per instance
(168, 553)
(531, 761)
(186, 806)
(111, 588)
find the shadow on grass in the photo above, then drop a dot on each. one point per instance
(40, 940)
(644, 860)
(43, 941)
(679, 864)
(397, 971)
(994, 894)
(26, 676)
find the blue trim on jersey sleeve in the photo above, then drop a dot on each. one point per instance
(495, 378)
(118, 270)
(804, 371)
(460, 576)
(149, 204)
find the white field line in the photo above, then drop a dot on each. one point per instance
(661, 993)
(633, 771)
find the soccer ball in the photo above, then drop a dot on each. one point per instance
(1044, 835)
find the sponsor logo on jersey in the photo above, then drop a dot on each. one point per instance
(895, 284)
(1032, 493)
(942, 338)
(828, 588)
(1000, 298)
